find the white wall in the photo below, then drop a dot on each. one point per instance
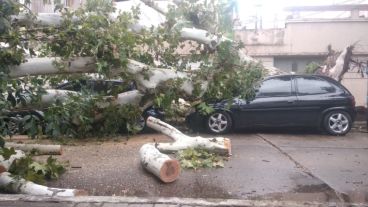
(307, 38)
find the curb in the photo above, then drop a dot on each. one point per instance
(172, 201)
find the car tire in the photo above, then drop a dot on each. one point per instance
(219, 122)
(337, 123)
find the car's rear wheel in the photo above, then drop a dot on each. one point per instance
(337, 123)
(219, 122)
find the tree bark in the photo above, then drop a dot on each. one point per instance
(5, 164)
(161, 165)
(13, 185)
(39, 148)
(218, 145)
(342, 64)
(156, 76)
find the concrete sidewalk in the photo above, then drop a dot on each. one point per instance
(118, 201)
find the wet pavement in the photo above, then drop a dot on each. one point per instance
(264, 166)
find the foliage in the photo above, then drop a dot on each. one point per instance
(205, 109)
(36, 172)
(7, 152)
(311, 68)
(90, 32)
(31, 170)
(199, 158)
(76, 117)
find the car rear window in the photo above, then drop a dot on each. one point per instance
(313, 85)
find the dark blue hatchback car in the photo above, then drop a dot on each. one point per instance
(284, 101)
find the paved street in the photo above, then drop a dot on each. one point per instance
(282, 166)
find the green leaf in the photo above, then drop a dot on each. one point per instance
(7, 152)
(37, 167)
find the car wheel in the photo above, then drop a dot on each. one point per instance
(337, 123)
(219, 122)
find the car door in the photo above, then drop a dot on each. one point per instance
(273, 105)
(314, 94)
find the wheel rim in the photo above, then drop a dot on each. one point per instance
(218, 122)
(338, 123)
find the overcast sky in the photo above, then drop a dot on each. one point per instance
(272, 12)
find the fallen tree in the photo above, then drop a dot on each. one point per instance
(133, 41)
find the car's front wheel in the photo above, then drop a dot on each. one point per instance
(219, 122)
(337, 123)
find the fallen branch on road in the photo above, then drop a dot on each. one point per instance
(166, 168)
(19, 185)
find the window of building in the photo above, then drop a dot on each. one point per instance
(294, 67)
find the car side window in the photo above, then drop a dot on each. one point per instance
(313, 85)
(278, 86)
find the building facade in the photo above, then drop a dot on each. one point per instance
(304, 41)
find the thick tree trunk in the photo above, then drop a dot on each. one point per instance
(342, 64)
(161, 165)
(335, 66)
(13, 185)
(38, 148)
(156, 76)
(218, 145)
(6, 163)
(46, 66)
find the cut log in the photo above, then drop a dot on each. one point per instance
(5, 164)
(13, 185)
(39, 148)
(218, 145)
(161, 165)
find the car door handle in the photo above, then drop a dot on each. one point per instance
(291, 101)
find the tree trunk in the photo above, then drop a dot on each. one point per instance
(13, 185)
(38, 148)
(5, 164)
(161, 165)
(156, 76)
(342, 64)
(218, 145)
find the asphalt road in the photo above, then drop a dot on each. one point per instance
(282, 166)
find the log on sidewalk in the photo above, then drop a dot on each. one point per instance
(38, 148)
(13, 185)
(161, 165)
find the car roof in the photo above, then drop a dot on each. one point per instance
(304, 75)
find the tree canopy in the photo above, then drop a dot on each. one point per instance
(183, 49)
